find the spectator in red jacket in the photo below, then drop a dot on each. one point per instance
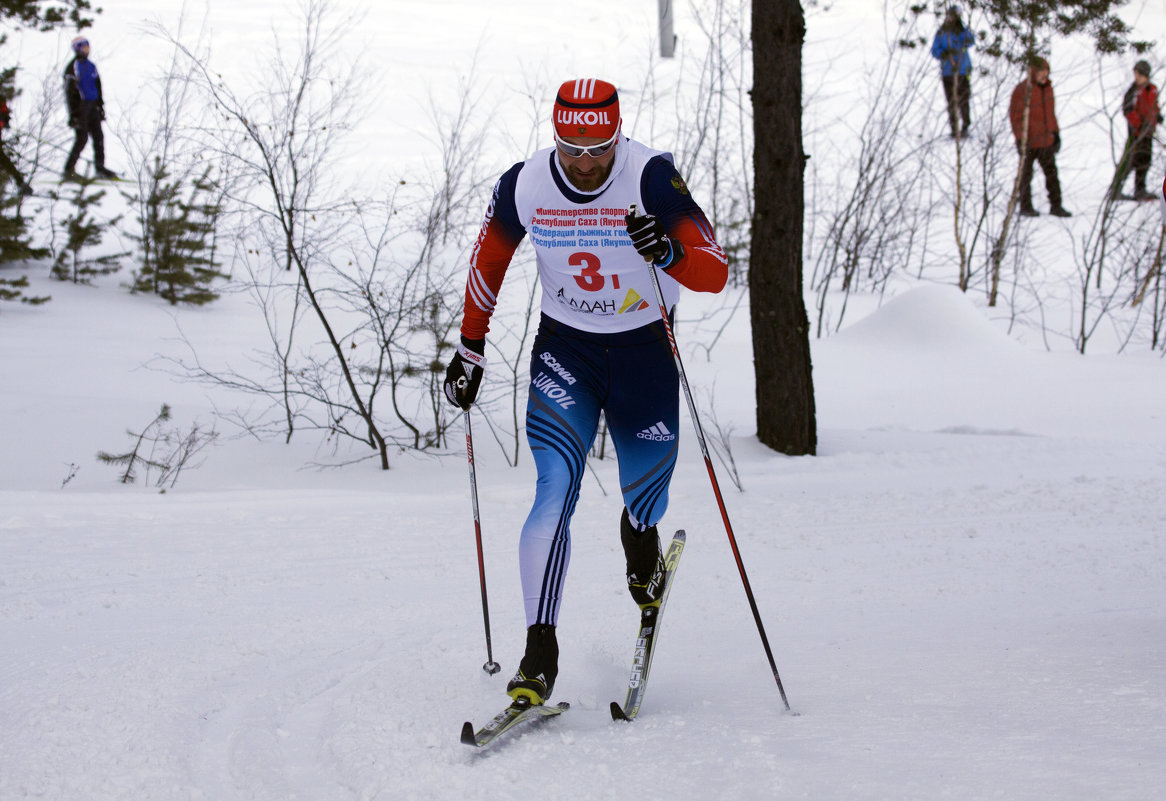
(1140, 107)
(1040, 141)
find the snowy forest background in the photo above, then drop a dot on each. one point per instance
(964, 588)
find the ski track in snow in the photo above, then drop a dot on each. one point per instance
(997, 640)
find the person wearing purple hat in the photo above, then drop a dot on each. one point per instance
(86, 110)
(950, 47)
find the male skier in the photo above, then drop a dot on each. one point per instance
(601, 344)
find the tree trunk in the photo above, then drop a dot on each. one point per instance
(781, 329)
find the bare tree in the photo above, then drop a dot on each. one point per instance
(985, 179)
(379, 276)
(1122, 242)
(881, 198)
(1020, 30)
(1153, 278)
(714, 131)
(157, 450)
(288, 128)
(177, 211)
(1154, 273)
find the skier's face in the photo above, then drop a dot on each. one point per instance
(1140, 79)
(1041, 77)
(585, 171)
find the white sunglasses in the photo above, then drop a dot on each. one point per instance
(594, 151)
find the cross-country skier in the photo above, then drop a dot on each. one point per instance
(601, 344)
(86, 110)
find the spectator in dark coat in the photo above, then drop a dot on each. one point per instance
(86, 109)
(1140, 107)
(951, 44)
(1040, 141)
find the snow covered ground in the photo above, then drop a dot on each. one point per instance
(965, 590)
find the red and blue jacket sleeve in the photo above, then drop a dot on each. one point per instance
(704, 266)
(499, 237)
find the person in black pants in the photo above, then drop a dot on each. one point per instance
(1041, 140)
(86, 110)
(1142, 114)
(950, 47)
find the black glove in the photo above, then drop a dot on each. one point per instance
(73, 123)
(1057, 142)
(101, 110)
(650, 241)
(464, 374)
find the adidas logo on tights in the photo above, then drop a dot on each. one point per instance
(657, 433)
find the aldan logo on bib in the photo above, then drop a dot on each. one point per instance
(632, 302)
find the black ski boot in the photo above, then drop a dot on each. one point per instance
(645, 563)
(539, 667)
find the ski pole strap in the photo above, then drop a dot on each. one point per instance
(473, 357)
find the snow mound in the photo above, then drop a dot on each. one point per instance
(930, 318)
(928, 360)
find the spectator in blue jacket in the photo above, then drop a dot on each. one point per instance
(950, 47)
(86, 110)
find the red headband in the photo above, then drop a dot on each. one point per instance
(587, 107)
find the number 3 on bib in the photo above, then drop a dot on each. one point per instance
(589, 277)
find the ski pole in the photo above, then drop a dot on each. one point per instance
(491, 667)
(708, 463)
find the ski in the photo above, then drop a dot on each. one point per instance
(509, 719)
(646, 640)
(86, 180)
